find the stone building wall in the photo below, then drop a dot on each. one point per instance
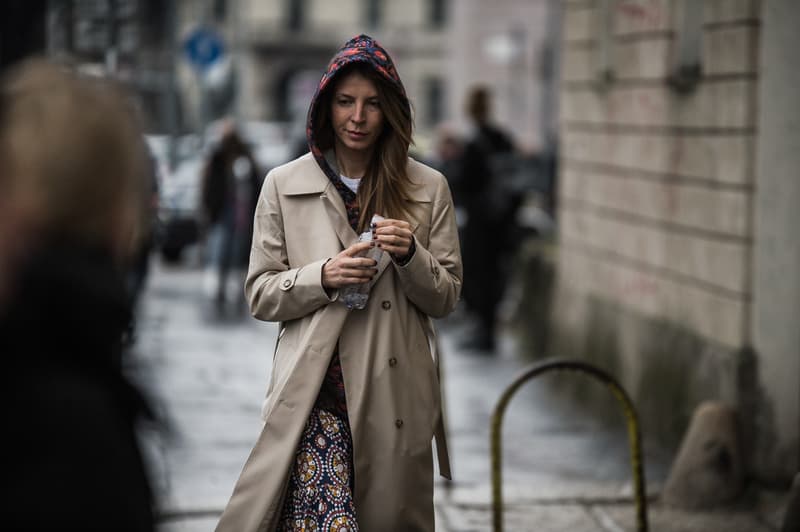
(657, 197)
(657, 185)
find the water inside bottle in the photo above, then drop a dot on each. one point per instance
(355, 297)
(356, 300)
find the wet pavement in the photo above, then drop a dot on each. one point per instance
(563, 470)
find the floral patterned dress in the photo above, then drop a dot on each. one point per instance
(320, 491)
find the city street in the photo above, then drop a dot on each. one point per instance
(624, 172)
(207, 373)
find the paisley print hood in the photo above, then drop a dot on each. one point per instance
(360, 49)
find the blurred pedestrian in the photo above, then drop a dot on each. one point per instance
(448, 157)
(354, 399)
(71, 185)
(490, 216)
(229, 193)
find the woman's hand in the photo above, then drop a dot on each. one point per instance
(347, 269)
(394, 236)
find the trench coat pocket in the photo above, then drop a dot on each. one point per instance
(428, 380)
(278, 356)
(425, 386)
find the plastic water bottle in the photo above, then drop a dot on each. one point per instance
(355, 296)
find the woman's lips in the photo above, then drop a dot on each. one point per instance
(356, 135)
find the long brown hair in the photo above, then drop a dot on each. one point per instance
(384, 189)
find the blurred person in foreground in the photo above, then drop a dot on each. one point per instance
(229, 193)
(489, 220)
(354, 400)
(139, 262)
(72, 184)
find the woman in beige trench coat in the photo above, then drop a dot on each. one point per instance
(353, 402)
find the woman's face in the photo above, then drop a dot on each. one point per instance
(356, 114)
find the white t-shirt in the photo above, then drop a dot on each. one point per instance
(351, 183)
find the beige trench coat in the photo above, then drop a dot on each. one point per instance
(388, 350)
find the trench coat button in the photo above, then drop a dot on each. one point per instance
(386, 305)
(393, 362)
(398, 423)
(287, 283)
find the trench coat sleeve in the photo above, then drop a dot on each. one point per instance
(432, 278)
(275, 291)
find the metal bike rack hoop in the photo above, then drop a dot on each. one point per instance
(634, 434)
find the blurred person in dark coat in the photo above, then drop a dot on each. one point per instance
(448, 158)
(230, 190)
(71, 185)
(487, 224)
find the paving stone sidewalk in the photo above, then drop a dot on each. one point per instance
(563, 471)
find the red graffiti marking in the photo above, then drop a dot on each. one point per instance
(639, 286)
(676, 155)
(648, 14)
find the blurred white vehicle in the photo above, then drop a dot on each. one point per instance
(180, 168)
(269, 142)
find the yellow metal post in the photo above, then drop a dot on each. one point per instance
(632, 422)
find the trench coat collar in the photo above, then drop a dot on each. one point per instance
(418, 194)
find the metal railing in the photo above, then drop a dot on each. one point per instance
(634, 434)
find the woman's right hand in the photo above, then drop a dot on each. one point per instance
(347, 269)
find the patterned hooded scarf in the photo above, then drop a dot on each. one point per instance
(360, 49)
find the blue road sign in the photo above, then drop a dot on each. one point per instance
(203, 47)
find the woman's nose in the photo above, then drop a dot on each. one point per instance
(358, 113)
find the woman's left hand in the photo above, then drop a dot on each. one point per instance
(394, 236)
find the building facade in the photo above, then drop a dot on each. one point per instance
(441, 47)
(511, 47)
(128, 40)
(281, 48)
(678, 265)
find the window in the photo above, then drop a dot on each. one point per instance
(373, 13)
(604, 31)
(687, 69)
(296, 12)
(437, 13)
(434, 98)
(220, 9)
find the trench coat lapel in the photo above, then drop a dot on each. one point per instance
(334, 205)
(338, 216)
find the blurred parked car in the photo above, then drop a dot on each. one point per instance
(180, 167)
(269, 142)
